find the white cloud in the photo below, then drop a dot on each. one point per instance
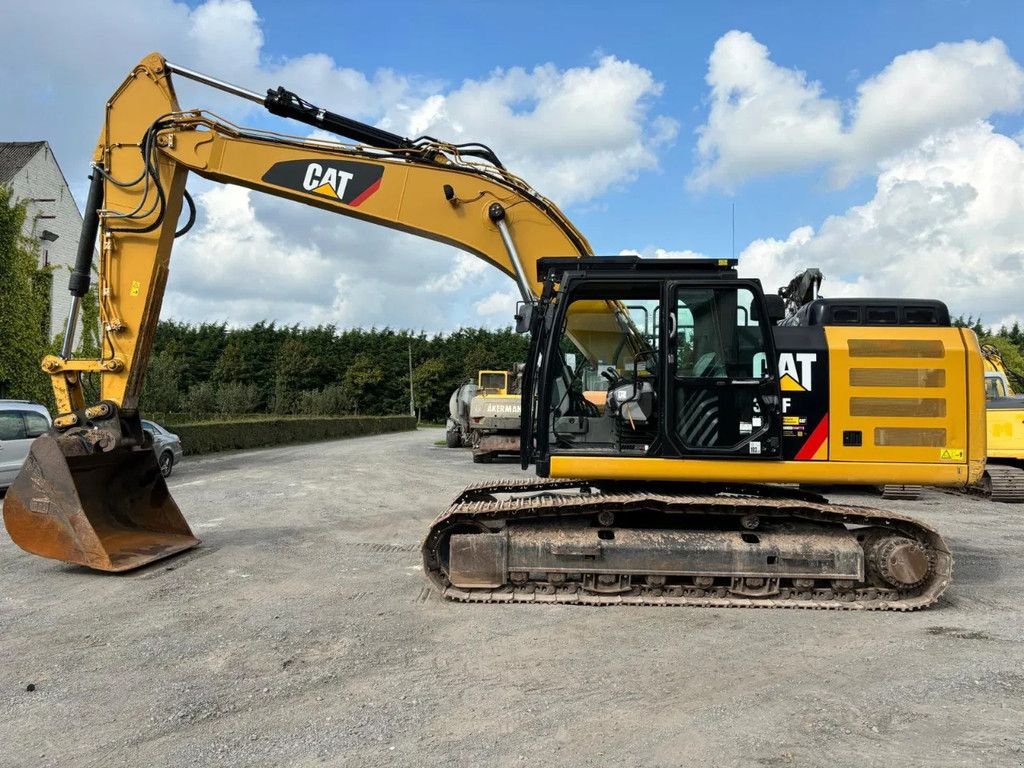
(765, 118)
(233, 21)
(238, 267)
(661, 253)
(574, 133)
(465, 269)
(254, 258)
(945, 222)
(497, 306)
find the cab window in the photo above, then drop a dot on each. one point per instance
(718, 335)
(994, 388)
(604, 384)
(493, 382)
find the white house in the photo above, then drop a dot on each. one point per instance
(54, 221)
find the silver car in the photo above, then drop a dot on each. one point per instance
(21, 422)
(166, 445)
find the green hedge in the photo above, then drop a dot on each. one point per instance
(211, 436)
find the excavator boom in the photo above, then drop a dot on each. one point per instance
(90, 492)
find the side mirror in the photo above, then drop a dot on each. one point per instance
(524, 317)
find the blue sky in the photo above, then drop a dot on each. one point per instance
(897, 167)
(837, 44)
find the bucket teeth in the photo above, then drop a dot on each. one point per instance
(107, 510)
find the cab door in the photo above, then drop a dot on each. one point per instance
(722, 393)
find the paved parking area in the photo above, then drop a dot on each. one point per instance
(302, 632)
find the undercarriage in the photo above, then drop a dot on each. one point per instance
(1003, 482)
(590, 543)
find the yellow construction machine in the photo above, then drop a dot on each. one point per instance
(485, 415)
(1004, 471)
(495, 415)
(659, 495)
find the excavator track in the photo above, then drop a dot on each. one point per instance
(1004, 483)
(567, 519)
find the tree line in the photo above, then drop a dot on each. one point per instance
(1009, 341)
(209, 369)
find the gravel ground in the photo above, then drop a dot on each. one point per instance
(302, 632)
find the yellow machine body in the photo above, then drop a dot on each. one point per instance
(916, 398)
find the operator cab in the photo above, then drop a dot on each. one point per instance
(671, 358)
(996, 386)
(493, 382)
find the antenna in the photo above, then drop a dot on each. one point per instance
(734, 229)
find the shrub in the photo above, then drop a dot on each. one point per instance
(329, 401)
(201, 400)
(234, 397)
(208, 437)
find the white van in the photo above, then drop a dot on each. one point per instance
(21, 422)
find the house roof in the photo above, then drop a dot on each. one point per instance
(14, 155)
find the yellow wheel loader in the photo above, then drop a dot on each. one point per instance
(495, 415)
(660, 495)
(485, 415)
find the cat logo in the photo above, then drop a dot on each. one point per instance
(330, 182)
(795, 371)
(337, 180)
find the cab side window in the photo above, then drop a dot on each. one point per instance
(717, 333)
(994, 388)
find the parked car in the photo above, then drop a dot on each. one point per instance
(166, 445)
(21, 422)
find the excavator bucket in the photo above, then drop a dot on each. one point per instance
(110, 511)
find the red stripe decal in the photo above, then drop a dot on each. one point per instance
(814, 441)
(369, 191)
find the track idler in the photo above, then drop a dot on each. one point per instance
(94, 496)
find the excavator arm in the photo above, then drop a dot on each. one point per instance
(149, 145)
(90, 492)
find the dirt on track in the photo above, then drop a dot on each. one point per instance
(302, 632)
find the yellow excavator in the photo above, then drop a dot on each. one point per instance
(661, 495)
